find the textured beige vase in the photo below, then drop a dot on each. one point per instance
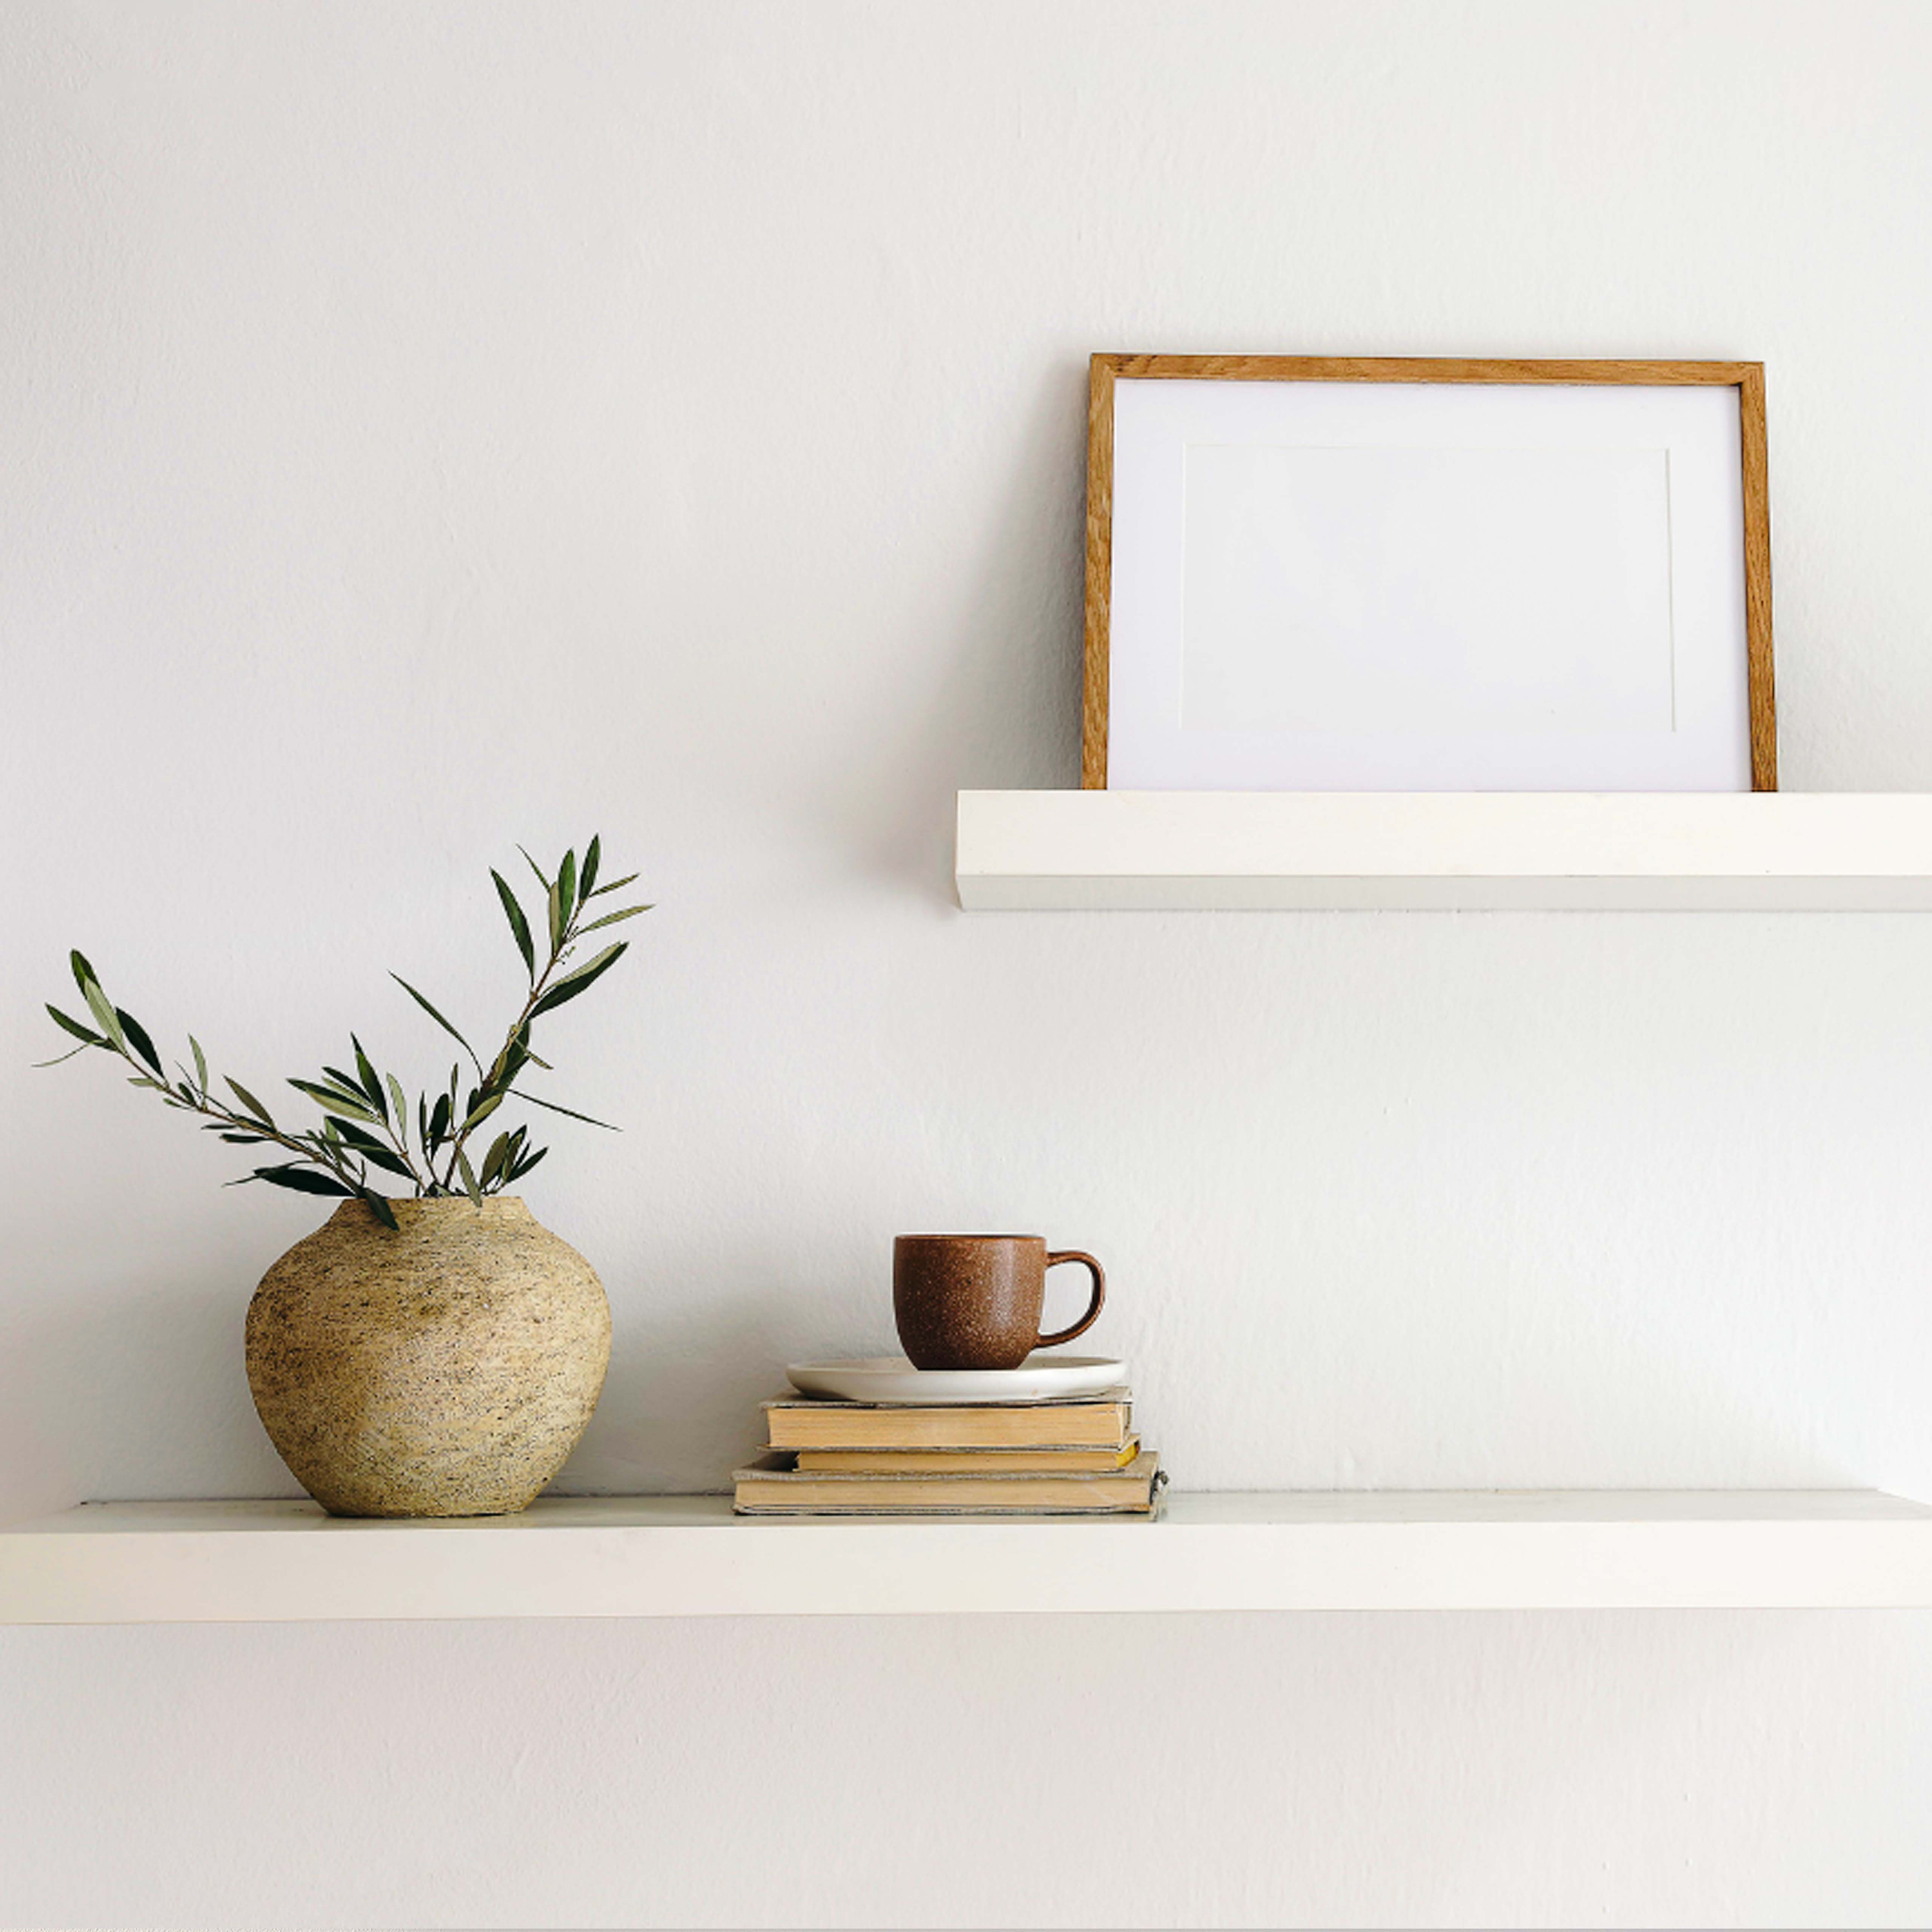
(444, 1369)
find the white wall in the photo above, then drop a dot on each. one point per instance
(425, 427)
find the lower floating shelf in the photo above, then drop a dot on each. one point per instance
(644, 1556)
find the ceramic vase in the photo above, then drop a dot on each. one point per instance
(444, 1368)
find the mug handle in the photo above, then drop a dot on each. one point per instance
(1094, 1307)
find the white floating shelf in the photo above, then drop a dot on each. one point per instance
(1460, 851)
(284, 1562)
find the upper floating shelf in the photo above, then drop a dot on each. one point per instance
(1445, 851)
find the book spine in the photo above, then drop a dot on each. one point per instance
(942, 1509)
(791, 1429)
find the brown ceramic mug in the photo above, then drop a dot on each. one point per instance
(972, 1301)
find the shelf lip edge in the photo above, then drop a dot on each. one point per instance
(1834, 1548)
(1235, 851)
(1636, 1509)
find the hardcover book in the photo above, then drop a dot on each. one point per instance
(968, 1462)
(773, 1487)
(1100, 1421)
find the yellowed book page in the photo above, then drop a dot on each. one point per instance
(968, 1462)
(833, 1426)
(1130, 1488)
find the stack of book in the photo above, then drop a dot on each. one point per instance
(1073, 1456)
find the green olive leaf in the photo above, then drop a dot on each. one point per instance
(520, 927)
(370, 1085)
(438, 1019)
(85, 1035)
(137, 1038)
(551, 1107)
(373, 1150)
(108, 1020)
(580, 981)
(612, 918)
(337, 1098)
(301, 1180)
(248, 1100)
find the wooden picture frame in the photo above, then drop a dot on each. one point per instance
(1747, 378)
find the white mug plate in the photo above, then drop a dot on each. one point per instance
(893, 1378)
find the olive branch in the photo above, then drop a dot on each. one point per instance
(367, 1120)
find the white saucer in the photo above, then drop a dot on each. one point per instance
(893, 1378)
